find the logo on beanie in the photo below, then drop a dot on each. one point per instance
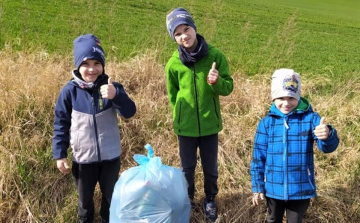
(290, 83)
(95, 49)
(98, 50)
(184, 16)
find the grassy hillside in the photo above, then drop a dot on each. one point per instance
(346, 9)
(257, 37)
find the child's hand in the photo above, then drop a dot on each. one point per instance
(213, 75)
(322, 131)
(108, 90)
(256, 197)
(63, 166)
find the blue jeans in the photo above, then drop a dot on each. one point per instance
(208, 147)
(86, 177)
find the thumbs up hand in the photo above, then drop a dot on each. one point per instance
(322, 131)
(108, 90)
(213, 75)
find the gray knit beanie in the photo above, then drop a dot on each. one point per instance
(178, 17)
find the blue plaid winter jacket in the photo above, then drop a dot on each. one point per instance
(283, 157)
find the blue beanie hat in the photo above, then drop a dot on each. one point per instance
(178, 17)
(87, 47)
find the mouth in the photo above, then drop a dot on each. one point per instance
(287, 108)
(186, 40)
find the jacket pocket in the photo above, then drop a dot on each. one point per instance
(216, 112)
(275, 175)
(178, 118)
(311, 178)
(179, 112)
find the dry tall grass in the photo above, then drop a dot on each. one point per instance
(33, 190)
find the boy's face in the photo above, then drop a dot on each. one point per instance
(90, 70)
(286, 104)
(185, 36)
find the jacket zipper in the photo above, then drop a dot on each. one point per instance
(95, 128)
(196, 99)
(286, 127)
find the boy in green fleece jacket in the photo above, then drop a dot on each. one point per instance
(196, 74)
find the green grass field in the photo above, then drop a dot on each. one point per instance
(317, 38)
(346, 9)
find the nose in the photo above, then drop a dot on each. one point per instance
(91, 69)
(184, 36)
(286, 103)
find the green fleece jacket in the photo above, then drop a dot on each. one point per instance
(195, 103)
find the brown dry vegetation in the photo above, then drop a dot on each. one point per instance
(33, 190)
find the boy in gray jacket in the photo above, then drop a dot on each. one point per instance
(86, 120)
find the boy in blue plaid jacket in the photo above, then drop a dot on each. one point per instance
(282, 169)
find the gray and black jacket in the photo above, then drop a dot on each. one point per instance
(88, 123)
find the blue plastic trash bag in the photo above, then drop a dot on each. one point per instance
(150, 193)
